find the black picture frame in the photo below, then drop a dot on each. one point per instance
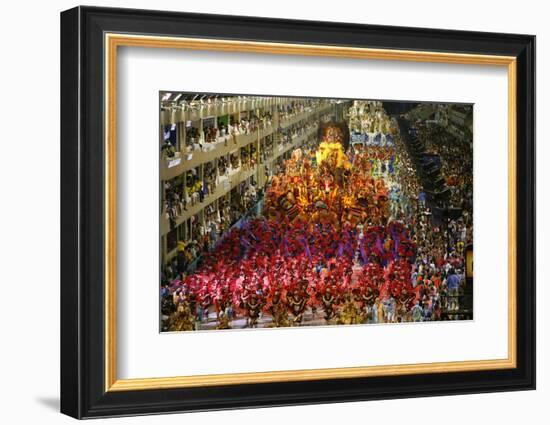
(83, 392)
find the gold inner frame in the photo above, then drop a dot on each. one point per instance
(113, 41)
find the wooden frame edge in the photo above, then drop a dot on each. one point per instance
(512, 212)
(306, 375)
(113, 40)
(110, 213)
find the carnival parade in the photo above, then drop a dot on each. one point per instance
(348, 230)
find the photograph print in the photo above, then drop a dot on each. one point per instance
(291, 212)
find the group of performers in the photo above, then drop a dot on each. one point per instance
(343, 239)
(288, 269)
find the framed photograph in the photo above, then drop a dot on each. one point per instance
(261, 212)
